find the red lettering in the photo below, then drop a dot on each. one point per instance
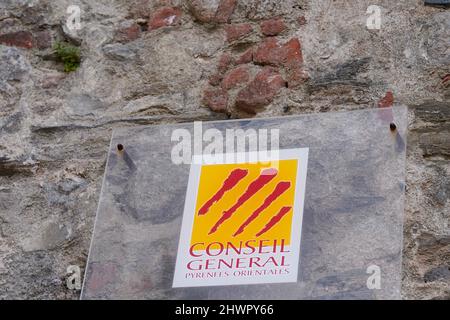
(191, 250)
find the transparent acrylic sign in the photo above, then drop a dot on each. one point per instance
(320, 218)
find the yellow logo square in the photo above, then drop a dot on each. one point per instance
(241, 202)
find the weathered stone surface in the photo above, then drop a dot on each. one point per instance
(139, 9)
(387, 101)
(288, 55)
(225, 62)
(52, 80)
(437, 37)
(215, 79)
(43, 39)
(203, 10)
(225, 10)
(216, 99)
(272, 27)
(168, 16)
(246, 57)
(52, 122)
(119, 51)
(212, 11)
(21, 39)
(270, 52)
(237, 31)
(435, 143)
(235, 77)
(13, 67)
(261, 91)
(128, 31)
(434, 113)
(301, 20)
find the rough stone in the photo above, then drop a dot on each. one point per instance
(225, 61)
(237, 31)
(387, 101)
(260, 91)
(13, 66)
(215, 79)
(235, 77)
(52, 122)
(216, 99)
(225, 10)
(435, 143)
(211, 11)
(139, 9)
(288, 55)
(52, 80)
(246, 57)
(270, 52)
(43, 39)
(203, 10)
(128, 31)
(272, 27)
(21, 39)
(168, 16)
(119, 51)
(301, 20)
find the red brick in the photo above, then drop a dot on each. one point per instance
(224, 63)
(246, 57)
(268, 52)
(289, 56)
(387, 101)
(272, 27)
(271, 53)
(128, 32)
(293, 60)
(22, 39)
(384, 114)
(260, 91)
(167, 16)
(225, 10)
(235, 77)
(237, 31)
(216, 99)
(292, 52)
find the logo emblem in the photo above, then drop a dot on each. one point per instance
(242, 222)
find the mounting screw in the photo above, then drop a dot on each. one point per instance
(392, 126)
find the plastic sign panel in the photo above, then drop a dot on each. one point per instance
(296, 207)
(242, 222)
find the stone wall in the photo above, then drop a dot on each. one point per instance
(164, 61)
